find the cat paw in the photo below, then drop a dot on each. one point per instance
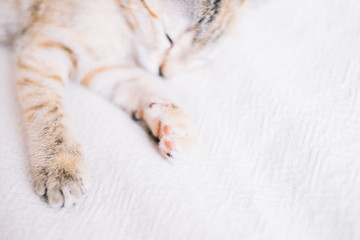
(63, 181)
(171, 126)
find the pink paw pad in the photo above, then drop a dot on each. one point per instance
(170, 145)
(165, 130)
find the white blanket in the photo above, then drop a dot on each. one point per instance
(278, 115)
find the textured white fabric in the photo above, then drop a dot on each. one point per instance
(278, 116)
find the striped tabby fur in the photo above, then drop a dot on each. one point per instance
(115, 48)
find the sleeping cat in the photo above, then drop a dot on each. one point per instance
(118, 48)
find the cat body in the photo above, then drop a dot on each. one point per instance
(116, 48)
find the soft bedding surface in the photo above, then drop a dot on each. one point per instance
(278, 117)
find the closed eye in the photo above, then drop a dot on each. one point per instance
(170, 40)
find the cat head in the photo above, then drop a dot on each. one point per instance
(201, 42)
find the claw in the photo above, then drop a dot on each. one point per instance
(136, 115)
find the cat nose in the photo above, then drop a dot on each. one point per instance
(161, 73)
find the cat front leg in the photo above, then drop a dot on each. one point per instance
(143, 95)
(56, 161)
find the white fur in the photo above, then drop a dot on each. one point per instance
(115, 48)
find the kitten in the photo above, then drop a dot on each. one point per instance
(117, 48)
